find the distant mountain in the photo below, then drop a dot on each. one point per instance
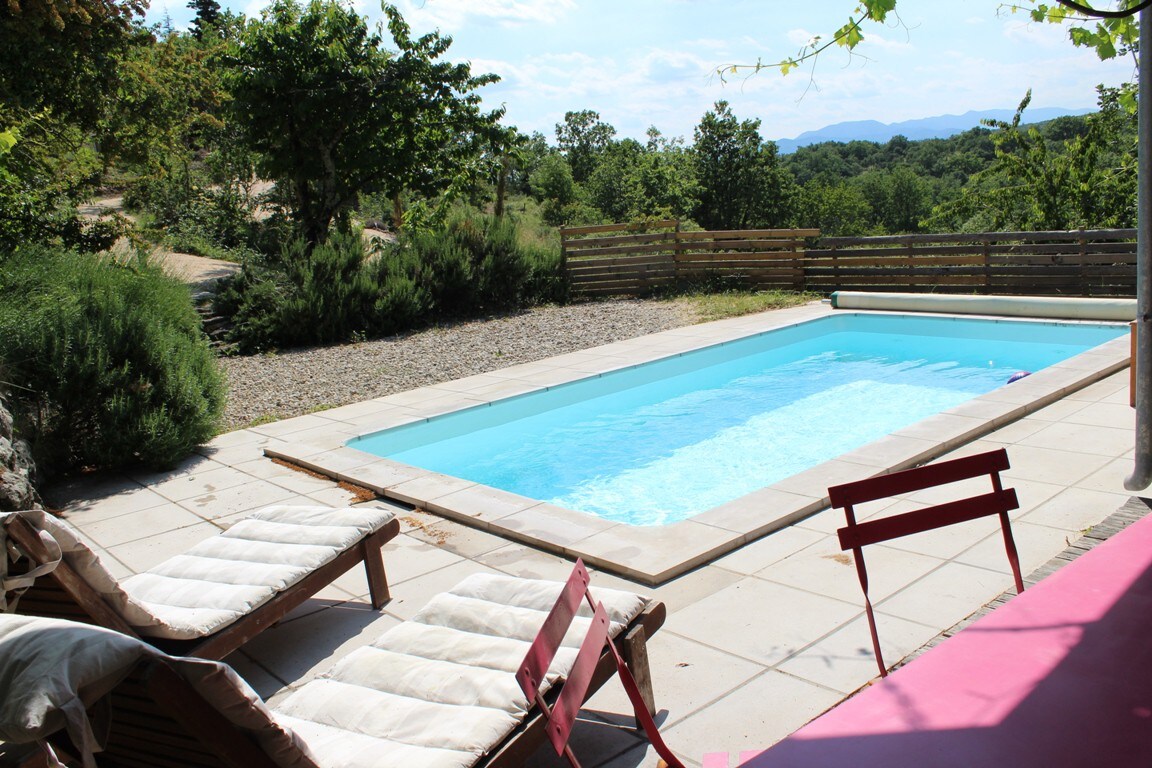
(940, 127)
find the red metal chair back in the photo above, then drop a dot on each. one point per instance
(855, 536)
(562, 715)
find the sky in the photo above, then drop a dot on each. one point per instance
(641, 63)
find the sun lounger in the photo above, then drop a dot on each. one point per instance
(437, 691)
(207, 601)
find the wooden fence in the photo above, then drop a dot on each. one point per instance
(637, 259)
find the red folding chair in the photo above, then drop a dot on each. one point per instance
(855, 536)
(562, 714)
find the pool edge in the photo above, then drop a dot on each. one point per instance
(654, 555)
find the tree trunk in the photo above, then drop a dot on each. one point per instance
(397, 212)
(501, 186)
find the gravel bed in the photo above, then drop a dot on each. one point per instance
(285, 384)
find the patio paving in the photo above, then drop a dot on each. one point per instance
(757, 642)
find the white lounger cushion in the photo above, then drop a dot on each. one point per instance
(424, 695)
(439, 691)
(225, 577)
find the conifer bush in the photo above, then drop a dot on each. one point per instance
(337, 291)
(107, 363)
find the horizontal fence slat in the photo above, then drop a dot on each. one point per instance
(772, 256)
(593, 252)
(598, 228)
(614, 259)
(742, 234)
(599, 242)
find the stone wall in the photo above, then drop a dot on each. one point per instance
(17, 472)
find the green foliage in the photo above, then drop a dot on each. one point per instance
(836, 209)
(741, 184)
(109, 363)
(582, 137)
(63, 56)
(633, 182)
(337, 292)
(207, 16)
(850, 35)
(899, 198)
(1042, 180)
(481, 264)
(390, 121)
(191, 216)
(553, 185)
(305, 296)
(47, 168)
(1109, 37)
(169, 98)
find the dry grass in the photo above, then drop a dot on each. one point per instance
(717, 306)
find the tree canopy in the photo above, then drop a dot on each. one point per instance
(333, 113)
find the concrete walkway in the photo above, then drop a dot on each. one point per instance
(757, 643)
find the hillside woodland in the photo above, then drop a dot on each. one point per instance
(275, 141)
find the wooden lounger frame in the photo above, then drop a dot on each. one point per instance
(157, 719)
(64, 594)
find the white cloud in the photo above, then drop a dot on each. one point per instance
(802, 37)
(1024, 32)
(901, 42)
(453, 15)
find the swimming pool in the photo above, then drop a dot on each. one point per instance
(661, 442)
(649, 554)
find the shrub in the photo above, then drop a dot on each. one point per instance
(337, 292)
(483, 264)
(194, 218)
(304, 297)
(108, 362)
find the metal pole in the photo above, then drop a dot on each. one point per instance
(1141, 476)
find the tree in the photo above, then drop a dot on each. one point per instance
(614, 187)
(837, 209)
(552, 185)
(63, 56)
(899, 198)
(59, 67)
(334, 115)
(582, 137)
(207, 16)
(1041, 180)
(741, 182)
(632, 181)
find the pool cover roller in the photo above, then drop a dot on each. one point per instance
(1064, 308)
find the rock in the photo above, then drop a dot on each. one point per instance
(16, 492)
(16, 468)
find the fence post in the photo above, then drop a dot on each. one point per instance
(564, 251)
(1084, 280)
(986, 255)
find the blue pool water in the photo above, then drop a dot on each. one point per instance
(660, 442)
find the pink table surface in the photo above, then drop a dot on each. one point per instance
(1059, 676)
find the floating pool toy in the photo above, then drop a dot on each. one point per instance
(1018, 375)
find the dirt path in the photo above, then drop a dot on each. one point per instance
(199, 272)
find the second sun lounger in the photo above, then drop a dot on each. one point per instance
(211, 599)
(437, 691)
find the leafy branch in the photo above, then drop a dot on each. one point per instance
(848, 37)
